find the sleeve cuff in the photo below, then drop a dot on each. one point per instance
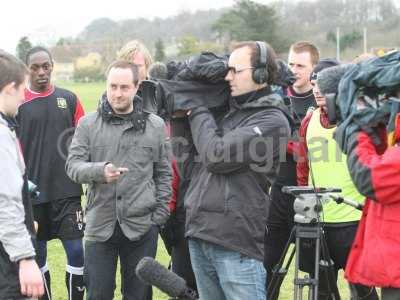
(25, 255)
(98, 171)
(198, 111)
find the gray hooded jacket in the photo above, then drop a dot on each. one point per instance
(139, 199)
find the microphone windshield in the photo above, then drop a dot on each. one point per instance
(328, 79)
(158, 70)
(152, 272)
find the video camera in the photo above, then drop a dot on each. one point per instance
(365, 91)
(378, 104)
(199, 81)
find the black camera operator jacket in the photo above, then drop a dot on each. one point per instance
(227, 200)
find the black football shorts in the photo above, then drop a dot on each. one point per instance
(61, 219)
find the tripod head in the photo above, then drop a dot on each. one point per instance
(297, 190)
(309, 201)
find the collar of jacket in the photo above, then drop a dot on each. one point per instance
(263, 99)
(9, 121)
(138, 117)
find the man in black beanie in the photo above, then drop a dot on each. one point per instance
(316, 142)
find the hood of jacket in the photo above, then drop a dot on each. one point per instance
(138, 116)
(10, 122)
(267, 100)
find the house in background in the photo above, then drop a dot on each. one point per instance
(63, 71)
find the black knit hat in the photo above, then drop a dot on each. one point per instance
(323, 64)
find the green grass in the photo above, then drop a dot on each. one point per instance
(90, 93)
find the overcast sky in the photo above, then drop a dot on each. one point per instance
(47, 20)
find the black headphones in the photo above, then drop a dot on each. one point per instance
(260, 73)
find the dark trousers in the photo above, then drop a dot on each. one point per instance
(101, 265)
(390, 293)
(180, 257)
(9, 277)
(279, 225)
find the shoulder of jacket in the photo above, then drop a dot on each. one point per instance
(156, 120)
(89, 118)
(4, 130)
(5, 136)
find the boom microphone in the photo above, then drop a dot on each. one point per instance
(328, 79)
(149, 271)
(285, 76)
(158, 70)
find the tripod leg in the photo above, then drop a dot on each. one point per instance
(328, 270)
(315, 286)
(310, 234)
(296, 270)
(279, 273)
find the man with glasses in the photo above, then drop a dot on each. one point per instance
(226, 201)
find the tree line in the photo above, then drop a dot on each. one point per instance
(280, 23)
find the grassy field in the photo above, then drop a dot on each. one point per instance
(90, 93)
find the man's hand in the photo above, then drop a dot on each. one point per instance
(30, 278)
(112, 173)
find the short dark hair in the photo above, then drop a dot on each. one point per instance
(123, 64)
(272, 67)
(37, 49)
(305, 46)
(11, 70)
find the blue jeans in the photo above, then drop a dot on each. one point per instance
(222, 274)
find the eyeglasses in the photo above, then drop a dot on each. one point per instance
(236, 70)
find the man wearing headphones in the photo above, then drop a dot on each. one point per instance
(226, 201)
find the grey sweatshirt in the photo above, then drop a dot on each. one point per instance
(14, 235)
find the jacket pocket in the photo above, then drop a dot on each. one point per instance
(140, 161)
(143, 202)
(213, 194)
(387, 250)
(101, 152)
(90, 194)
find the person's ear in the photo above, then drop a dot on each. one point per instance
(9, 89)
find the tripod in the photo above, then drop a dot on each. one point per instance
(307, 205)
(322, 262)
